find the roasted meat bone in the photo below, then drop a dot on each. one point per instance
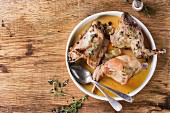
(92, 45)
(129, 35)
(121, 68)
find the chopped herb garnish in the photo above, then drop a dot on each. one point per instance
(93, 35)
(123, 73)
(95, 46)
(124, 70)
(91, 53)
(135, 70)
(136, 37)
(130, 30)
(120, 42)
(147, 56)
(121, 33)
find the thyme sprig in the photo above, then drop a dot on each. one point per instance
(52, 82)
(73, 107)
(147, 10)
(57, 87)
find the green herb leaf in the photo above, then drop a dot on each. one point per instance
(93, 35)
(55, 88)
(95, 46)
(91, 53)
(123, 73)
(121, 33)
(51, 82)
(136, 37)
(61, 93)
(79, 105)
(59, 84)
(52, 91)
(65, 83)
(75, 110)
(130, 30)
(85, 98)
(135, 70)
(120, 42)
(148, 10)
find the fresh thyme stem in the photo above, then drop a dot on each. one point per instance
(57, 89)
(73, 107)
(147, 10)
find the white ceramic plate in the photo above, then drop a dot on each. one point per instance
(113, 13)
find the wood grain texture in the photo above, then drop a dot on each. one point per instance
(35, 53)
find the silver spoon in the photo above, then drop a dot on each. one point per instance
(84, 77)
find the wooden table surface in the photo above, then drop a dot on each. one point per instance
(32, 51)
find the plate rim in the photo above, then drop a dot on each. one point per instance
(113, 13)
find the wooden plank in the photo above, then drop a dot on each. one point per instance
(36, 53)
